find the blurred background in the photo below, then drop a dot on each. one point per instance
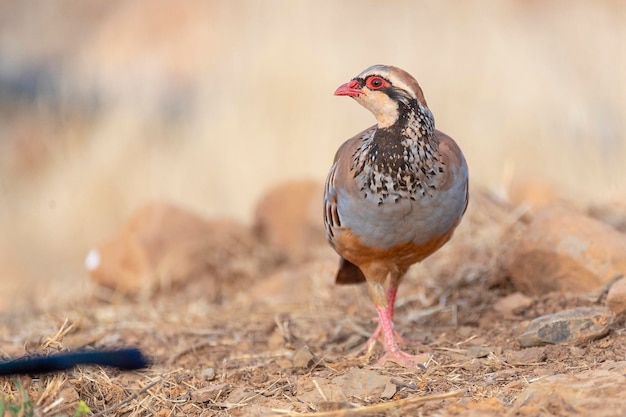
(105, 106)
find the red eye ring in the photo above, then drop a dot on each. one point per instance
(376, 83)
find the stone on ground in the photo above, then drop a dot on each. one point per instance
(577, 325)
(162, 245)
(564, 250)
(289, 217)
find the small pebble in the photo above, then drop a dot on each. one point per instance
(512, 304)
(389, 391)
(528, 356)
(209, 393)
(208, 374)
(478, 351)
(302, 357)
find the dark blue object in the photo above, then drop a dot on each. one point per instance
(125, 359)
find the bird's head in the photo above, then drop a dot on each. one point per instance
(386, 91)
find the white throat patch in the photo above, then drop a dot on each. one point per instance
(381, 105)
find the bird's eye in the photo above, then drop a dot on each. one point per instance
(376, 83)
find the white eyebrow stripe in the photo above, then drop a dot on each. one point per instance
(398, 83)
(395, 81)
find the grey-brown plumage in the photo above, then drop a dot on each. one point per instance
(395, 192)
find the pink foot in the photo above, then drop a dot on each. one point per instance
(392, 351)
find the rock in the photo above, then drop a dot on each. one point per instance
(208, 374)
(239, 395)
(563, 250)
(362, 383)
(162, 246)
(301, 284)
(389, 391)
(289, 217)
(209, 393)
(577, 325)
(616, 297)
(612, 213)
(534, 194)
(302, 357)
(355, 383)
(598, 393)
(512, 304)
(577, 352)
(478, 351)
(156, 234)
(527, 356)
(317, 390)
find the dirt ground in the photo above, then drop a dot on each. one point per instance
(269, 335)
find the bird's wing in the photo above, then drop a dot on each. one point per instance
(338, 173)
(453, 159)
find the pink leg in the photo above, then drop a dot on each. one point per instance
(391, 301)
(391, 305)
(385, 303)
(392, 351)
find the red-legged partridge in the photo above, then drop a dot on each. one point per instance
(394, 194)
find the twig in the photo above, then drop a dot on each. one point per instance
(403, 384)
(319, 389)
(373, 408)
(127, 400)
(65, 328)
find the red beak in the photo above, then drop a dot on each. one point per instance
(351, 88)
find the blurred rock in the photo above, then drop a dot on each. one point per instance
(302, 357)
(208, 374)
(534, 194)
(600, 393)
(613, 214)
(512, 304)
(577, 325)
(355, 383)
(209, 393)
(362, 383)
(310, 282)
(289, 217)
(531, 355)
(564, 250)
(616, 297)
(478, 351)
(163, 246)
